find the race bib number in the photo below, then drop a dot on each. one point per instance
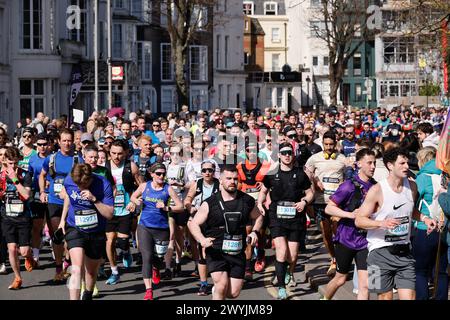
(286, 212)
(233, 245)
(57, 186)
(119, 201)
(86, 219)
(161, 248)
(400, 232)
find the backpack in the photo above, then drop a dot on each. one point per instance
(433, 208)
(52, 165)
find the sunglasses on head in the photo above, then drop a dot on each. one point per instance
(286, 153)
(42, 144)
(209, 170)
(160, 174)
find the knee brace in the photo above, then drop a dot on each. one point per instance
(123, 243)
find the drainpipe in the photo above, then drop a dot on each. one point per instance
(285, 43)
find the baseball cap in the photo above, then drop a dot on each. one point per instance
(87, 137)
(31, 130)
(101, 141)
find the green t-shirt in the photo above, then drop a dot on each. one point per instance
(102, 171)
(26, 160)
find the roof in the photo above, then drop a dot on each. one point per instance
(256, 27)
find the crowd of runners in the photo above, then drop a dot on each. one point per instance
(224, 187)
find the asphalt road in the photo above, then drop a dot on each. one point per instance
(38, 284)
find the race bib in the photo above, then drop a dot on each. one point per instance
(286, 212)
(161, 248)
(57, 186)
(14, 208)
(252, 192)
(86, 219)
(232, 244)
(400, 232)
(119, 200)
(330, 185)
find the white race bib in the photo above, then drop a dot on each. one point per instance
(14, 209)
(57, 186)
(86, 219)
(284, 212)
(400, 232)
(232, 246)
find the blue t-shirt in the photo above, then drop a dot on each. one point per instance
(35, 167)
(62, 166)
(348, 147)
(151, 217)
(155, 139)
(83, 215)
(347, 233)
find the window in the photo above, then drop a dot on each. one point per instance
(121, 4)
(31, 24)
(279, 97)
(167, 99)
(269, 97)
(275, 61)
(246, 58)
(147, 12)
(248, 8)
(357, 64)
(117, 41)
(136, 8)
(218, 39)
(315, 3)
(225, 5)
(199, 63)
(325, 61)
(315, 61)
(149, 99)
(399, 50)
(163, 13)
(246, 25)
(144, 56)
(276, 35)
(166, 62)
(31, 98)
(2, 30)
(75, 34)
(226, 51)
(199, 99)
(358, 92)
(315, 28)
(199, 17)
(229, 96)
(270, 8)
(397, 88)
(357, 30)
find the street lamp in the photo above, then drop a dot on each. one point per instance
(308, 80)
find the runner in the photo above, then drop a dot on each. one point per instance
(88, 203)
(290, 193)
(27, 151)
(224, 217)
(153, 229)
(386, 213)
(39, 210)
(326, 169)
(15, 192)
(125, 174)
(55, 169)
(350, 242)
(199, 191)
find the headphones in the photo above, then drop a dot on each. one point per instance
(327, 156)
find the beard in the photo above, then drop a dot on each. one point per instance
(231, 189)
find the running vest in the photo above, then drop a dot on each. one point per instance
(249, 178)
(122, 197)
(143, 166)
(127, 176)
(151, 217)
(200, 195)
(395, 205)
(14, 204)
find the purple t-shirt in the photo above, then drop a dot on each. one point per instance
(347, 233)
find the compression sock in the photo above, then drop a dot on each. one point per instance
(280, 271)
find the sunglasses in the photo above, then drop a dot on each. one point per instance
(286, 153)
(292, 136)
(135, 126)
(160, 174)
(42, 144)
(348, 132)
(156, 125)
(27, 136)
(269, 140)
(209, 170)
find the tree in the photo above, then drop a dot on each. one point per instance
(185, 20)
(343, 30)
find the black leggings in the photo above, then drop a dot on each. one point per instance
(146, 239)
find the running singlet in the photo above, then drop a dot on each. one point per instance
(83, 215)
(330, 172)
(14, 204)
(62, 166)
(151, 217)
(395, 205)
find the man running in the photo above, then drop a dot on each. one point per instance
(386, 213)
(225, 216)
(350, 242)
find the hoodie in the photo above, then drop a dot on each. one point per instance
(425, 188)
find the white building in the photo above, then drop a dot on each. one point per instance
(228, 56)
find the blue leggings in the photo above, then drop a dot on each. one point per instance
(425, 250)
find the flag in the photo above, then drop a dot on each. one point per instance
(443, 152)
(76, 82)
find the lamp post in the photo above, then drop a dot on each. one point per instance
(308, 80)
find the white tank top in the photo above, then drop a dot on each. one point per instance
(395, 205)
(117, 174)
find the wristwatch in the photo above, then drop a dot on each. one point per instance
(15, 181)
(306, 202)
